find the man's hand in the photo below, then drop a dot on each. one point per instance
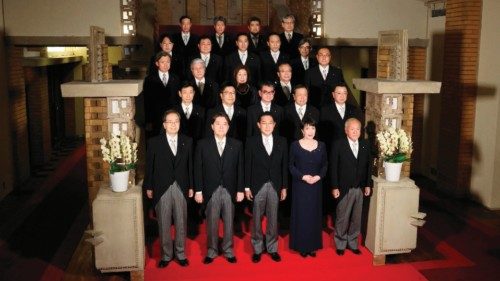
(198, 197)
(190, 193)
(283, 194)
(248, 195)
(240, 196)
(315, 179)
(149, 193)
(336, 193)
(307, 178)
(367, 191)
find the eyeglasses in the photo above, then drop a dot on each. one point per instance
(173, 122)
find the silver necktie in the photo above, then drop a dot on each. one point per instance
(355, 149)
(188, 112)
(173, 146)
(267, 145)
(324, 74)
(220, 146)
(164, 79)
(306, 64)
(301, 112)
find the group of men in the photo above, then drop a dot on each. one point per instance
(202, 144)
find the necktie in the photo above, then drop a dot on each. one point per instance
(267, 145)
(188, 112)
(173, 146)
(201, 86)
(324, 74)
(275, 57)
(219, 39)
(255, 40)
(301, 112)
(286, 91)
(220, 147)
(342, 111)
(289, 37)
(185, 38)
(164, 79)
(355, 149)
(306, 64)
(230, 113)
(205, 59)
(243, 58)
(266, 108)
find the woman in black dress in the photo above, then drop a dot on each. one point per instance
(308, 165)
(246, 94)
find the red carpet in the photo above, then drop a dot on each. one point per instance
(326, 266)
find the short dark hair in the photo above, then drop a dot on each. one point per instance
(289, 16)
(186, 84)
(161, 54)
(242, 34)
(303, 41)
(225, 85)
(237, 69)
(341, 84)
(273, 34)
(163, 36)
(220, 18)
(308, 121)
(283, 63)
(185, 17)
(204, 37)
(220, 114)
(300, 86)
(170, 111)
(268, 84)
(253, 18)
(263, 114)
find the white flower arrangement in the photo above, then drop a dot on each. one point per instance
(119, 152)
(395, 145)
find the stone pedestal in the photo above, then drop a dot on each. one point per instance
(393, 218)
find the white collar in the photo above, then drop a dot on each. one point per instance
(321, 68)
(217, 140)
(275, 53)
(351, 142)
(298, 106)
(198, 81)
(270, 137)
(244, 53)
(184, 105)
(226, 107)
(265, 105)
(170, 138)
(283, 84)
(339, 106)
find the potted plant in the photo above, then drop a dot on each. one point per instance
(395, 147)
(121, 154)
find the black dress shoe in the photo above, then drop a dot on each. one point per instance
(231, 260)
(312, 254)
(355, 251)
(275, 257)
(256, 258)
(340, 252)
(208, 260)
(304, 255)
(163, 263)
(184, 262)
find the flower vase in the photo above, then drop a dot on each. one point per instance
(392, 171)
(119, 181)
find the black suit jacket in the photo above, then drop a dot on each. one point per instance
(210, 96)
(163, 168)
(228, 45)
(298, 70)
(279, 95)
(345, 170)
(332, 125)
(237, 126)
(214, 69)
(320, 90)
(261, 46)
(261, 167)
(193, 126)
(185, 51)
(291, 123)
(212, 170)
(292, 47)
(159, 98)
(253, 114)
(269, 67)
(252, 62)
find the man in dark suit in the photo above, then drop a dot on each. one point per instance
(284, 86)
(266, 94)
(303, 62)
(237, 115)
(169, 181)
(192, 115)
(333, 115)
(295, 112)
(243, 57)
(219, 180)
(266, 181)
(256, 39)
(185, 42)
(176, 64)
(290, 39)
(213, 63)
(206, 89)
(160, 92)
(271, 58)
(222, 43)
(322, 79)
(350, 171)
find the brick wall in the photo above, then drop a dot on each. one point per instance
(19, 118)
(458, 95)
(38, 115)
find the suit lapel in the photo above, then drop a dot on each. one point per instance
(180, 149)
